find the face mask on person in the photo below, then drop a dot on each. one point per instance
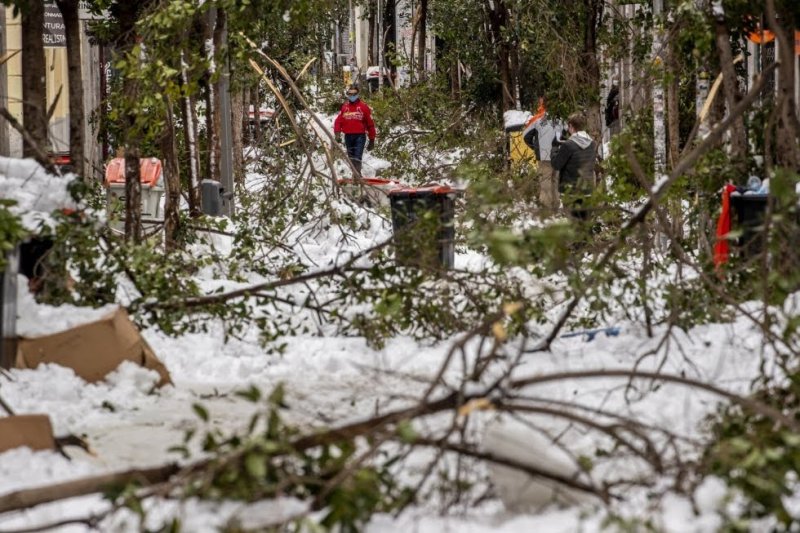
(352, 97)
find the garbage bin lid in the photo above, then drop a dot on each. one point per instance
(428, 189)
(369, 181)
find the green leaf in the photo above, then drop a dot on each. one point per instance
(406, 432)
(256, 465)
(201, 412)
(253, 394)
(278, 395)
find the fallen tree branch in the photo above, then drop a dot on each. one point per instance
(25, 498)
(91, 522)
(211, 299)
(30, 497)
(517, 465)
(748, 403)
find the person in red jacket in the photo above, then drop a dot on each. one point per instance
(355, 121)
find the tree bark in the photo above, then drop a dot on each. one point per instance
(34, 95)
(172, 182)
(422, 19)
(673, 108)
(372, 8)
(127, 15)
(133, 193)
(72, 25)
(593, 11)
(787, 148)
(256, 102)
(730, 87)
(190, 138)
(497, 14)
(237, 117)
(212, 99)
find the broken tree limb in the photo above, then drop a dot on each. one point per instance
(22, 499)
(517, 465)
(27, 498)
(748, 403)
(200, 301)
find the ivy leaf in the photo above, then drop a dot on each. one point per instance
(253, 394)
(200, 411)
(406, 431)
(256, 465)
(278, 395)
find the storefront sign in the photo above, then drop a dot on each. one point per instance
(53, 33)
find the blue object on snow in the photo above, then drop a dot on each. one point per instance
(592, 333)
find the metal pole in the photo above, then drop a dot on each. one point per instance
(226, 135)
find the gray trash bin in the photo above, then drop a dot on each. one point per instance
(211, 197)
(8, 310)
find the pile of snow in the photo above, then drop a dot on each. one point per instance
(35, 319)
(515, 119)
(36, 192)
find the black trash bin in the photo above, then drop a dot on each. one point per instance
(423, 224)
(8, 311)
(750, 210)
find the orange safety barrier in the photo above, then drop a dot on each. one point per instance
(149, 171)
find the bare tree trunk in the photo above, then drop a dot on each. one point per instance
(127, 14)
(34, 96)
(72, 25)
(673, 109)
(237, 112)
(245, 125)
(256, 101)
(497, 14)
(591, 67)
(455, 80)
(212, 113)
(133, 194)
(730, 86)
(190, 137)
(673, 135)
(514, 65)
(422, 20)
(372, 8)
(172, 182)
(133, 184)
(787, 147)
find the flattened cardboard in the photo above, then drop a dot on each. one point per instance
(92, 350)
(33, 431)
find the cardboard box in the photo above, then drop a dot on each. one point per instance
(92, 350)
(33, 431)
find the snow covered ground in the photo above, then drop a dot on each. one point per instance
(127, 426)
(331, 380)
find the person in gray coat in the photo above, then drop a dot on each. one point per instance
(540, 135)
(574, 160)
